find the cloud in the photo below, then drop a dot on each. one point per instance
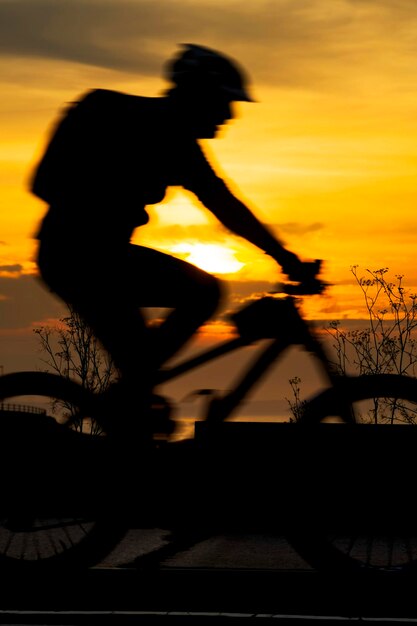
(282, 42)
(242, 292)
(125, 35)
(90, 32)
(298, 228)
(23, 301)
(11, 269)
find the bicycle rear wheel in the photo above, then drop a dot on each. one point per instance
(359, 495)
(54, 506)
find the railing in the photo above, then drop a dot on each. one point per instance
(20, 408)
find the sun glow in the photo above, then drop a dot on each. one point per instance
(209, 257)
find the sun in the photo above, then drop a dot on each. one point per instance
(212, 258)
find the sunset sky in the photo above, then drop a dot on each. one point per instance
(327, 156)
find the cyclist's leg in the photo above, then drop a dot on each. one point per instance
(93, 286)
(160, 280)
(149, 279)
(108, 294)
(121, 330)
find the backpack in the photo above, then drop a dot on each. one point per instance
(75, 149)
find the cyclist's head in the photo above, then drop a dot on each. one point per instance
(205, 85)
(201, 70)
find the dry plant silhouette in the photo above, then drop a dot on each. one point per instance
(387, 345)
(71, 350)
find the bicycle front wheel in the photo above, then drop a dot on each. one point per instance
(53, 509)
(359, 494)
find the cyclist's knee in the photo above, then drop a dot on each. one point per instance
(209, 294)
(218, 290)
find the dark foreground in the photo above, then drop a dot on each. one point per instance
(220, 582)
(199, 595)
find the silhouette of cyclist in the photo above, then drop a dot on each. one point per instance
(112, 155)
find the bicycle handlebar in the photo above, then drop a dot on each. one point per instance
(309, 285)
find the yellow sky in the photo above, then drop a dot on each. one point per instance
(327, 157)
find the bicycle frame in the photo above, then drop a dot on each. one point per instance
(265, 318)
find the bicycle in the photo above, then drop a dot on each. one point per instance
(81, 525)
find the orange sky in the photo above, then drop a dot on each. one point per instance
(327, 156)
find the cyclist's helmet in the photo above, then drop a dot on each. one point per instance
(198, 68)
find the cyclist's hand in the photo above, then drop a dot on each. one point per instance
(304, 273)
(290, 263)
(296, 270)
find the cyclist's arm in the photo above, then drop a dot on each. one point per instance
(213, 192)
(239, 219)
